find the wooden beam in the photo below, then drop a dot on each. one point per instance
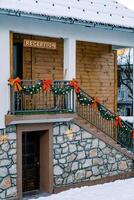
(115, 81)
(11, 54)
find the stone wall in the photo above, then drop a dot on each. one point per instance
(83, 157)
(8, 165)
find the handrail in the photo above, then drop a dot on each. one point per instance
(106, 108)
(61, 98)
(121, 135)
(34, 99)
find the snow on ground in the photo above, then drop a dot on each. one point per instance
(129, 119)
(118, 190)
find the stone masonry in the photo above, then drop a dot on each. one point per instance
(8, 165)
(83, 157)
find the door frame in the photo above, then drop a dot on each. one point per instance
(48, 129)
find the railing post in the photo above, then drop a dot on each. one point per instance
(12, 100)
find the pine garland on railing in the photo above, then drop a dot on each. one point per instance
(48, 85)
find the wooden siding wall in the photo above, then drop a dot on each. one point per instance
(42, 63)
(96, 71)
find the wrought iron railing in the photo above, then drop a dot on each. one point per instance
(103, 123)
(37, 100)
(60, 99)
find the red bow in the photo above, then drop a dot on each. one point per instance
(46, 84)
(74, 84)
(96, 102)
(133, 134)
(16, 83)
(118, 121)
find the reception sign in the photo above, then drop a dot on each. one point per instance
(39, 44)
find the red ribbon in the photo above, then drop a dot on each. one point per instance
(46, 84)
(74, 84)
(16, 83)
(133, 134)
(96, 102)
(118, 121)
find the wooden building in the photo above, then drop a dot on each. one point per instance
(58, 120)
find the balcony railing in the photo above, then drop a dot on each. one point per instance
(122, 135)
(41, 101)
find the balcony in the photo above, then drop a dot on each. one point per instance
(33, 99)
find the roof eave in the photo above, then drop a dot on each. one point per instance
(66, 20)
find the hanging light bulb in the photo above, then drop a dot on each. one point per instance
(69, 132)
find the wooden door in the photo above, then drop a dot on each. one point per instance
(30, 161)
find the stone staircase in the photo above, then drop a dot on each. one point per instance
(84, 124)
(101, 121)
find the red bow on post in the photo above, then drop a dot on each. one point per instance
(74, 84)
(96, 102)
(46, 84)
(16, 83)
(118, 121)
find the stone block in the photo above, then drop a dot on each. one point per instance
(58, 181)
(4, 162)
(56, 130)
(5, 147)
(60, 139)
(12, 152)
(71, 157)
(74, 166)
(122, 165)
(12, 136)
(95, 143)
(88, 163)
(95, 170)
(88, 174)
(58, 170)
(3, 155)
(111, 160)
(3, 172)
(106, 150)
(6, 183)
(97, 161)
(101, 144)
(81, 155)
(12, 169)
(93, 153)
(11, 192)
(80, 174)
(72, 148)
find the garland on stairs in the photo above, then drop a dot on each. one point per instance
(84, 100)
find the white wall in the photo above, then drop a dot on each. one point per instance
(4, 74)
(42, 28)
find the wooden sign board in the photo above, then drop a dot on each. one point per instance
(39, 44)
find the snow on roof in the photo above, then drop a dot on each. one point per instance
(97, 11)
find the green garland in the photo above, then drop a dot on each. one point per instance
(106, 114)
(33, 89)
(61, 91)
(124, 131)
(84, 100)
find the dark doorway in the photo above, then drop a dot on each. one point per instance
(30, 161)
(18, 60)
